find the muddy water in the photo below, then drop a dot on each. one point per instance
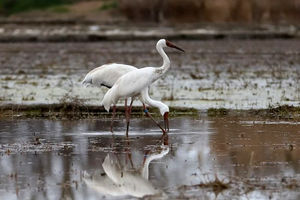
(202, 158)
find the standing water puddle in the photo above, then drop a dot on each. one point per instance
(202, 158)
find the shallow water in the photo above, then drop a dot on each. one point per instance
(255, 159)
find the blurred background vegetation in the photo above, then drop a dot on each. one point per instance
(8, 7)
(173, 11)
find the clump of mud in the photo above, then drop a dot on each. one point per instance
(34, 147)
(215, 185)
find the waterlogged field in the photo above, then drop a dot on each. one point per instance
(202, 158)
(236, 74)
(223, 156)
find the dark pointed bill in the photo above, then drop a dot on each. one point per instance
(169, 44)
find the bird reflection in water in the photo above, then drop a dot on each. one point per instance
(119, 180)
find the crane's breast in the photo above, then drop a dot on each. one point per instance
(134, 82)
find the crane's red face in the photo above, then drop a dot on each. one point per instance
(169, 44)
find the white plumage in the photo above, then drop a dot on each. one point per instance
(119, 181)
(129, 85)
(134, 82)
(127, 81)
(106, 75)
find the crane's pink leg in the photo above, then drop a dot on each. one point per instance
(166, 121)
(128, 118)
(112, 119)
(126, 115)
(129, 154)
(149, 115)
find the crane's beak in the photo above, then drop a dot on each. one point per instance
(169, 44)
(166, 121)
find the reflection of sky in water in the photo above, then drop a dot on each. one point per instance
(200, 150)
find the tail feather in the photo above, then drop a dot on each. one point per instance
(107, 107)
(87, 80)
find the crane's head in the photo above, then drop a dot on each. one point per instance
(166, 43)
(164, 111)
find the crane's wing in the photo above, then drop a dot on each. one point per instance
(106, 75)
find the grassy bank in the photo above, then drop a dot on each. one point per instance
(284, 112)
(81, 111)
(78, 111)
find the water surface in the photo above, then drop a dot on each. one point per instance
(44, 159)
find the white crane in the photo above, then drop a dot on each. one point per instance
(133, 83)
(119, 181)
(106, 75)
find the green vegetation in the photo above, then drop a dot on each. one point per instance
(7, 78)
(285, 112)
(59, 9)
(8, 7)
(74, 108)
(107, 5)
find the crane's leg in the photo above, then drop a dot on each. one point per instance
(129, 113)
(129, 154)
(166, 121)
(113, 118)
(165, 139)
(149, 115)
(126, 115)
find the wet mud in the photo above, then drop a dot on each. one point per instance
(231, 74)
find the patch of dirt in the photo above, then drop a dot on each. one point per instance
(85, 7)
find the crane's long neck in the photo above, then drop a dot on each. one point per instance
(145, 168)
(166, 61)
(151, 102)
